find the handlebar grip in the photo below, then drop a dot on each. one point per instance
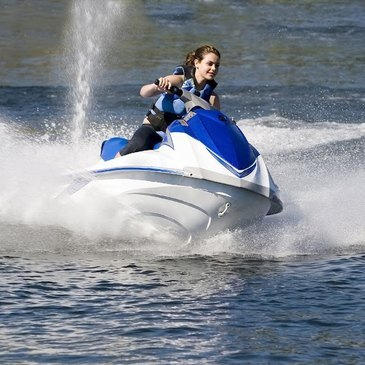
(173, 89)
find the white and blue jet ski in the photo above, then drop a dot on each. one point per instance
(203, 177)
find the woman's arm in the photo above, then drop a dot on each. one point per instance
(214, 101)
(150, 90)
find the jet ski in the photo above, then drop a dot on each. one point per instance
(204, 177)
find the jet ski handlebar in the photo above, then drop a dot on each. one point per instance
(173, 89)
(190, 99)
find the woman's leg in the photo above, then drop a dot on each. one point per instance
(144, 138)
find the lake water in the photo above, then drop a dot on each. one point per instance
(78, 288)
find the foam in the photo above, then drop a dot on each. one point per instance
(273, 134)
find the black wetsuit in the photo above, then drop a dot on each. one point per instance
(143, 139)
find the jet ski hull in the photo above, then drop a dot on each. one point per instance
(184, 206)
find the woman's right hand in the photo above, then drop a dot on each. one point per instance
(164, 84)
(150, 90)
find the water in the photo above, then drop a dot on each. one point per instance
(201, 309)
(78, 287)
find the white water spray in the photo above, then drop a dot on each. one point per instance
(93, 24)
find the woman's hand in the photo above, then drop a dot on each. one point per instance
(164, 84)
(150, 90)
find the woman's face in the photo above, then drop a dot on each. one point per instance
(208, 67)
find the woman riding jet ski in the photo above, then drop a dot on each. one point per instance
(197, 76)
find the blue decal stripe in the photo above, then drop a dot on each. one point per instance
(232, 169)
(140, 169)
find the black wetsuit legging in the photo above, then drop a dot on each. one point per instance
(144, 138)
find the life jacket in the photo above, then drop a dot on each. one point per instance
(169, 107)
(189, 83)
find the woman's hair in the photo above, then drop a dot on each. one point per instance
(199, 54)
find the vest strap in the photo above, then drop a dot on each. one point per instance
(160, 120)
